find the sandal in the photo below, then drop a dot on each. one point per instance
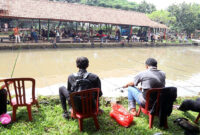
(66, 115)
(133, 112)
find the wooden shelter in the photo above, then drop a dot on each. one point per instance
(63, 11)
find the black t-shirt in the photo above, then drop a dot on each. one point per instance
(95, 81)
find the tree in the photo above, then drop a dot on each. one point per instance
(163, 16)
(186, 17)
(70, 1)
(145, 7)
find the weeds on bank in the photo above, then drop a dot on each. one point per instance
(48, 120)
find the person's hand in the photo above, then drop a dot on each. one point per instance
(125, 86)
(129, 84)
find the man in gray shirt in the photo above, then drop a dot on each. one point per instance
(150, 78)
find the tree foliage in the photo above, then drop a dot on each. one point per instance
(143, 7)
(163, 16)
(187, 17)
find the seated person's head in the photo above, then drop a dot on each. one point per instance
(82, 62)
(151, 62)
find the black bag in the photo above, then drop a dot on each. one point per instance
(81, 83)
(78, 103)
(3, 101)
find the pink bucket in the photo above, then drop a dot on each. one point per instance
(5, 119)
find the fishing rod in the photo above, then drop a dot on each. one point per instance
(191, 86)
(13, 69)
(184, 88)
(179, 74)
(14, 65)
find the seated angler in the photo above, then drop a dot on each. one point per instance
(92, 81)
(150, 78)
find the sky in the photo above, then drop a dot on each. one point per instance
(163, 4)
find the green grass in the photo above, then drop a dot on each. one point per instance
(48, 120)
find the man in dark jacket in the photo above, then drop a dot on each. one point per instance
(94, 82)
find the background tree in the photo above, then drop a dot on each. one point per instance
(186, 17)
(145, 7)
(164, 17)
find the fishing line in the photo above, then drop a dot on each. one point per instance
(185, 88)
(177, 69)
(173, 83)
(13, 69)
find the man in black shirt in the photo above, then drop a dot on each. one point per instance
(82, 63)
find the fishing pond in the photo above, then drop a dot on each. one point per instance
(114, 66)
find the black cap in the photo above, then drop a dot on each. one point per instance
(151, 62)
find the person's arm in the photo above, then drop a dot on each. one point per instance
(69, 84)
(3, 86)
(129, 84)
(99, 86)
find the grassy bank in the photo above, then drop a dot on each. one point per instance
(48, 120)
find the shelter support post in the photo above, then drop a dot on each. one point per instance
(48, 30)
(107, 28)
(39, 27)
(111, 29)
(76, 27)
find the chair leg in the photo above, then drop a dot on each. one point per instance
(37, 104)
(29, 112)
(14, 113)
(138, 113)
(80, 122)
(166, 124)
(151, 118)
(96, 122)
(197, 119)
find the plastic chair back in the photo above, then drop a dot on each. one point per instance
(18, 96)
(85, 104)
(155, 95)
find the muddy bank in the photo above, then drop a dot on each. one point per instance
(15, 46)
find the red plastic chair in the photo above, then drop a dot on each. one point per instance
(86, 109)
(19, 96)
(197, 119)
(146, 109)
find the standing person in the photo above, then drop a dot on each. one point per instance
(150, 78)
(57, 34)
(93, 82)
(91, 36)
(16, 34)
(152, 37)
(34, 35)
(6, 27)
(118, 35)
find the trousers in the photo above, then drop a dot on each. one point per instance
(64, 96)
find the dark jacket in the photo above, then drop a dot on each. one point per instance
(3, 101)
(96, 83)
(167, 97)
